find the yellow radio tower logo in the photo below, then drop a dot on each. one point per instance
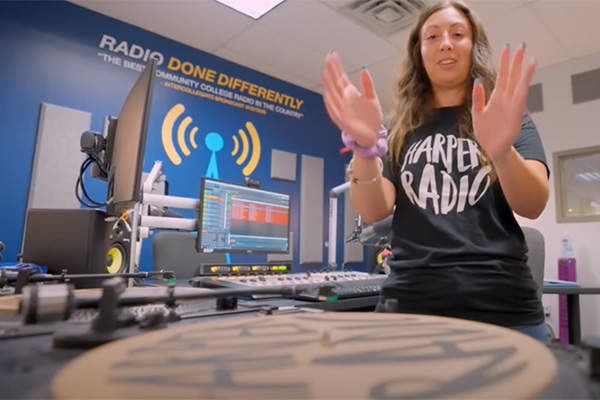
(248, 144)
(244, 149)
(167, 134)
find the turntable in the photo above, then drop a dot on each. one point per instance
(277, 354)
(316, 356)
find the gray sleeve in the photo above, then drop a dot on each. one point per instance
(529, 144)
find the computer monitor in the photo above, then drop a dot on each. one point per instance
(234, 218)
(126, 144)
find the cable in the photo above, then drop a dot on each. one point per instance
(83, 187)
(80, 183)
(82, 174)
(85, 193)
(88, 202)
(100, 164)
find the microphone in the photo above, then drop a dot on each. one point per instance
(375, 233)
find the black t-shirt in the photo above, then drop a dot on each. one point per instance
(457, 249)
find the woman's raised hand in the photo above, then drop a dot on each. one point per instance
(358, 115)
(497, 124)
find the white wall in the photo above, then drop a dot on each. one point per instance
(564, 126)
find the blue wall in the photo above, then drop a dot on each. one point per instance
(51, 52)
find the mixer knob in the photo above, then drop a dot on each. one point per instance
(326, 278)
(242, 280)
(281, 279)
(262, 278)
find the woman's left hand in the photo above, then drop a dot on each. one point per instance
(497, 124)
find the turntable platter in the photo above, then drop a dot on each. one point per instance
(315, 356)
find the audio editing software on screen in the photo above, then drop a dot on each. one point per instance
(239, 218)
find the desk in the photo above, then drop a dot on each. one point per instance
(572, 294)
(368, 303)
(364, 303)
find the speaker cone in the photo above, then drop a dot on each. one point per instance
(116, 259)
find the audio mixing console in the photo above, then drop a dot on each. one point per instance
(346, 284)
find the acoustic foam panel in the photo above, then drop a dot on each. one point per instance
(311, 210)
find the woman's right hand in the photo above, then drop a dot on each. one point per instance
(358, 115)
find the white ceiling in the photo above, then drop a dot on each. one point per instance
(291, 41)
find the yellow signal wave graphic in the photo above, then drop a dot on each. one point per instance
(245, 148)
(167, 134)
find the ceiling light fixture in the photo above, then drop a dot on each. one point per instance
(588, 177)
(252, 8)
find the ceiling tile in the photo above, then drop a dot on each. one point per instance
(400, 40)
(518, 25)
(259, 66)
(337, 3)
(290, 42)
(323, 28)
(573, 23)
(201, 24)
(262, 43)
(486, 9)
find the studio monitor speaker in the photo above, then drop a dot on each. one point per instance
(79, 241)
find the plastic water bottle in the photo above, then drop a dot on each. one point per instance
(567, 247)
(567, 271)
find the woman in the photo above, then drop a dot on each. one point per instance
(463, 156)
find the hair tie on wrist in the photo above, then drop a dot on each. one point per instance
(377, 150)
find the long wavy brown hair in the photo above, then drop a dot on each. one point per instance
(413, 103)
